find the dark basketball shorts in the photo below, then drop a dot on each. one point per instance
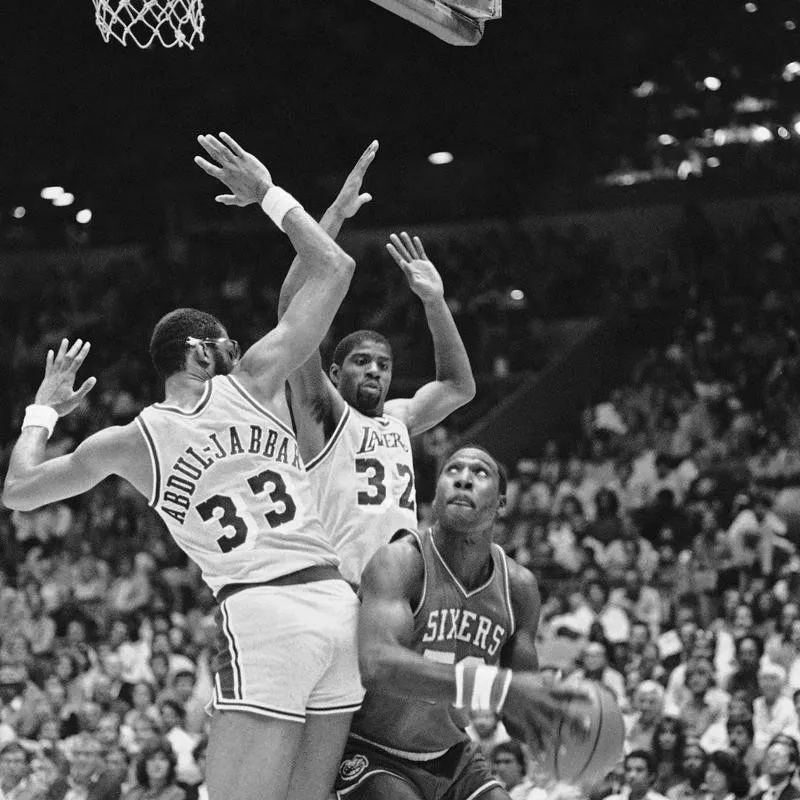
(462, 773)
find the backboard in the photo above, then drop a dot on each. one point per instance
(457, 22)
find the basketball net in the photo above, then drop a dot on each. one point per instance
(171, 23)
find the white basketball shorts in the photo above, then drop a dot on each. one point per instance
(288, 651)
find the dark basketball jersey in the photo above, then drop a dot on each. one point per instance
(451, 624)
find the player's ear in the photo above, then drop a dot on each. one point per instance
(334, 372)
(501, 504)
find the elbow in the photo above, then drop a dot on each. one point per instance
(468, 390)
(376, 666)
(345, 265)
(464, 390)
(14, 499)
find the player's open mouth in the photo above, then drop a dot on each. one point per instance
(461, 501)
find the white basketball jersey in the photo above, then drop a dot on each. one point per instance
(230, 485)
(364, 481)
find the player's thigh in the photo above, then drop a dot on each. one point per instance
(319, 755)
(383, 786)
(251, 756)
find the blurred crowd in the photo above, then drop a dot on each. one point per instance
(665, 536)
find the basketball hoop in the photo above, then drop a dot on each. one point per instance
(143, 22)
(458, 22)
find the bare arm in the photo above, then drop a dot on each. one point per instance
(33, 481)
(520, 651)
(454, 384)
(268, 363)
(316, 405)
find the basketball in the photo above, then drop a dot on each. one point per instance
(584, 754)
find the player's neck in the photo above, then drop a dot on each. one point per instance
(184, 389)
(467, 554)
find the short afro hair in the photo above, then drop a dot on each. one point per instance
(168, 342)
(502, 475)
(356, 339)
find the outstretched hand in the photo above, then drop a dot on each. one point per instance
(420, 273)
(350, 199)
(246, 177)
(60, 370)
(536, 706)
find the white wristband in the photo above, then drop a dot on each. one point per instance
(40, 417)
(277, 203)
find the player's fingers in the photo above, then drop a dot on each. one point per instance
(73, 351)
(215, 148)
(409, 245)
(48, 363)
(227, 199)
(62, 348)
(80, 356)
(420, 248)
(401, 248)
(235, 147)
(366, 158)
(365, 198)
(212, 169)
(399, 260)
(86, 387)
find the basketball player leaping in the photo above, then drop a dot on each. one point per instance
(220, 464)
(440, 611)
(355, 444)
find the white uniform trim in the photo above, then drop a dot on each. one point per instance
(332, 441)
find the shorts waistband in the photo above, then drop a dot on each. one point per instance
(319, 572)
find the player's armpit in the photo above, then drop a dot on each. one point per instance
(113, 451)
(315, 401)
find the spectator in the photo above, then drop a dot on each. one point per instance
(143, 699)
(86, 777)
(648, 702)
(725, 776)
(133, 652)
(200, 790)
(16, 782)
(705, 709)
(773, 711)
(749, 650)
(740, 737)
(669, 740)
(155, 775)
(639, 778)
(594, 661)
(509, 767)
(118, 766)
(757, 535)
(173, 719)
(779, 766)
(640, 601)
(692, 787)
(183, 687)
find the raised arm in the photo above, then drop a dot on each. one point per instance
(316, 405)
(32, 481)
(390, 585)
(454, 385)
(269, 362)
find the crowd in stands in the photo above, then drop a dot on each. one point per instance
(664, 539)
